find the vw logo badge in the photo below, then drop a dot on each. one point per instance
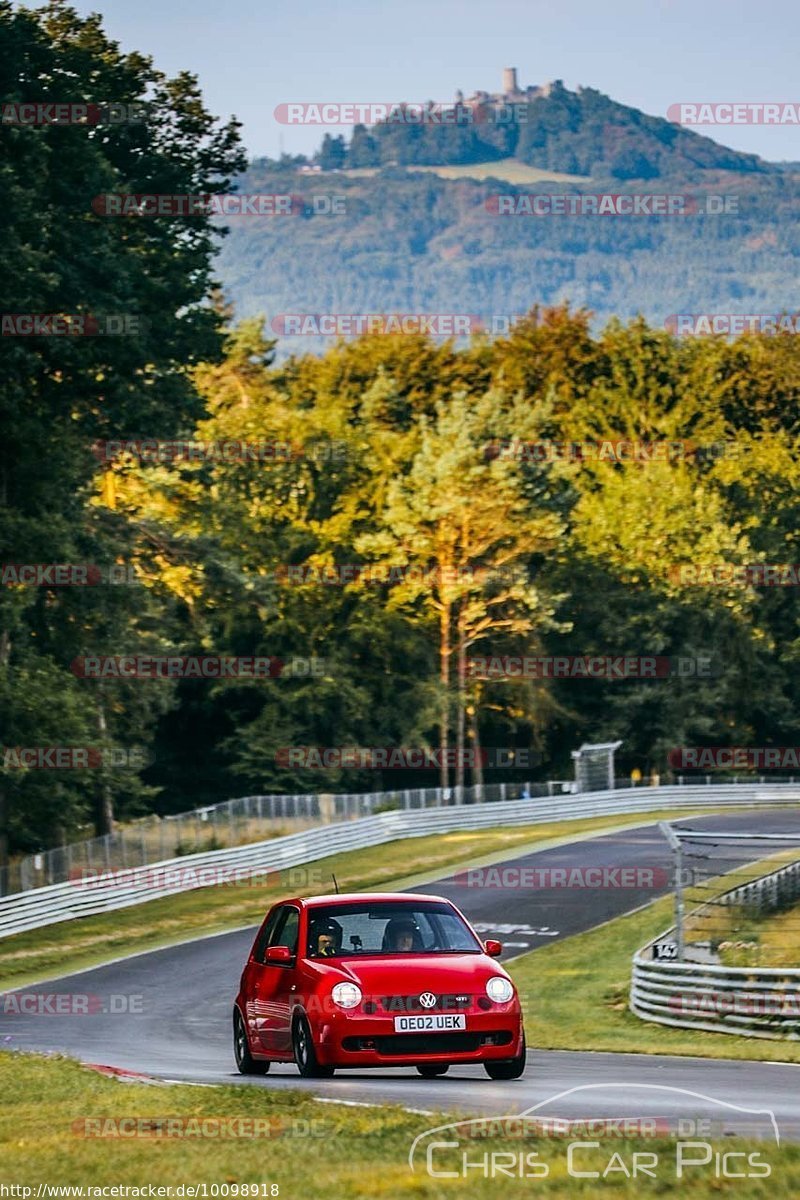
(427, 1000)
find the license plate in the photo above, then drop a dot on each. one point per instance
(430, 1022)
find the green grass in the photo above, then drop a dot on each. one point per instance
(74, 945)
(743, 936)
(765, 941)
(575, 997)
(351, 1152)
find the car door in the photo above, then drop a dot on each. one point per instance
(272, 984)
(285, 987)
(252, 981)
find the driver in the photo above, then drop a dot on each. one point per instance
(323, 940)
(402, 933)
(326, 945)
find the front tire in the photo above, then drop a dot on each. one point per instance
(432, 1070)
(304, 1053)
(244, 1060)
(510, 1068)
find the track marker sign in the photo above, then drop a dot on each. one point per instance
(665, 951)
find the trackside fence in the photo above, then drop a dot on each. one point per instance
(234, 823)
(116, 890)
(154, 839)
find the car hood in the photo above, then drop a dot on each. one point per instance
(420, 973)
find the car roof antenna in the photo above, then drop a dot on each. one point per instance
(335, 884)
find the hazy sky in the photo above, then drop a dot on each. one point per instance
(251, 55)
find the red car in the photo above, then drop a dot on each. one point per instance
(375, 980)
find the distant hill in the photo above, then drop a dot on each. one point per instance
(550, 127)
(429, 240)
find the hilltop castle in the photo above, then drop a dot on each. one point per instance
(511, 93)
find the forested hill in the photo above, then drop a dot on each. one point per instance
(411, 241)
(404, 217)
(580, 133)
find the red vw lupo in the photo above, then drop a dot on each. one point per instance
(375, 980)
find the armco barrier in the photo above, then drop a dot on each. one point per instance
(762, 1002)
(66, 901)
(236, 822)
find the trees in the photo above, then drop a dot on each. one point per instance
(332, 153)
(60, 255)
(465, 528)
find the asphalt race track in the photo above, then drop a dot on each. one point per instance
(176, 1005)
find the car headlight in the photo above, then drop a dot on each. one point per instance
(346, 995)
(499, 989)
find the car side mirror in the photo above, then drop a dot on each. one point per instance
(279, 954)
(493, 949)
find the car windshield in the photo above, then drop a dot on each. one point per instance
(426, 927)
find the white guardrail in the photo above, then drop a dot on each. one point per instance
(80, 898)
(760, 1002)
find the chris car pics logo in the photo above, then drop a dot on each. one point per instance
(605, 1133)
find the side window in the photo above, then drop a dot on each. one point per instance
(287, 929)
(263, 938)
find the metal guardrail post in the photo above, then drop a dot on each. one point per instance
(675, 845)
(679, 906)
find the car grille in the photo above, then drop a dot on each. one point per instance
(428, 1043)
(454, 1002)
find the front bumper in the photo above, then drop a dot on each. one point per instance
(360, 1040)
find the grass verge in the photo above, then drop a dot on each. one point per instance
(575, 997)
(304, 1150)
(75, 945)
